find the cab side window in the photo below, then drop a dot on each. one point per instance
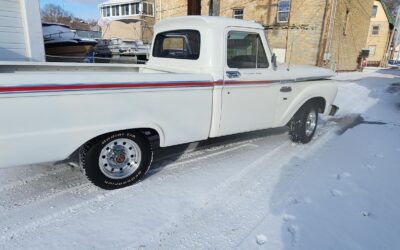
(178, 44)
(246, 51)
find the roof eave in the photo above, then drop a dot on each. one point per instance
(388, 14)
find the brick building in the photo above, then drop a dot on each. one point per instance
(380, 31)
(329, 33)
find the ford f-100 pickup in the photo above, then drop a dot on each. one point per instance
(206, 77)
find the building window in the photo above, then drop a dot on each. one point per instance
(283, 11)
(246, 51)
(372, 49)
(115, 10)
(238, 13)
(135, 9)
(106, 11)
(148, 9)
(374, 10)
(125, 9)
(375, 30)
(194, 7)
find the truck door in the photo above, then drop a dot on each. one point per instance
(249, 93)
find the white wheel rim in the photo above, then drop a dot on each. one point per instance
(311, 122)
(120, 158)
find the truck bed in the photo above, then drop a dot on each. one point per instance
(44, 107)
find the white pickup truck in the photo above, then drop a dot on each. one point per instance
(206, 77)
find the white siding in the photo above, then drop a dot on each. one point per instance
(12, 33)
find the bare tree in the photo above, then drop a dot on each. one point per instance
(52, 13)
(55, 14)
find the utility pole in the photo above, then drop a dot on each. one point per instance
(216, 5)
(213, 8)
(325, 32)
(287, 38)
(160, 10)
(386, 56)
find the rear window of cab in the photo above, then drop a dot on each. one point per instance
(178, 44)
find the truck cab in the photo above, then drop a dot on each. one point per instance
(247, 81)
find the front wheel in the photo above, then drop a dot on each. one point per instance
(116, 160)
(304, 123)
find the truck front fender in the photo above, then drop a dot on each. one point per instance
(307, 91)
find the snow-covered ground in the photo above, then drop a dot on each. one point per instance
(248, 191)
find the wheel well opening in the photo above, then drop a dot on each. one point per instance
(319, 102)
(151, 134)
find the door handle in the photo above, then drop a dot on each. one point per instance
(233, 74)
(286, 89)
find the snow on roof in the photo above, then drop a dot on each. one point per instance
(205, 21)
(114, 2)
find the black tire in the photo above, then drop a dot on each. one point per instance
(90, 160)
(298, 124)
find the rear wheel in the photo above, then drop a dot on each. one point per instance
(116, 160)
(303, 125)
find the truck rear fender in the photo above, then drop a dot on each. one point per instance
(148, 131)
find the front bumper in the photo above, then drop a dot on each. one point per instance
(334, 110)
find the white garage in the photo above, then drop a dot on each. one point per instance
(21, 36)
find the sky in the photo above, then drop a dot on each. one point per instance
(85, 9)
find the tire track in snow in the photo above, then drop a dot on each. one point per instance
(217, 194)
(221, 143)
(77, 185)
(49, 194)
(28, 210)
(30, 179)
(49, 219)
(177, 164)
(247, 179)
(103, 200)
(193, 156)
(106, 200)
(83, 186)
(44, 187)
(326, 134)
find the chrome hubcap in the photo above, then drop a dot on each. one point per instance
(120, 158)
(311, 122)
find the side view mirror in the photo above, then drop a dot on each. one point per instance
(274, 63)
